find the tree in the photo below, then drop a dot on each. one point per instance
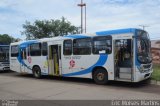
(6, 39)
(48, 28)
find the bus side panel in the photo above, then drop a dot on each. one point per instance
(66, 64)
(40, 61)
(85, 65)
(44, 65)
(14, 64)
(109, 66)
(82, 65)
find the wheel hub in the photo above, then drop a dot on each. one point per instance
(100, 76)
(36, 72)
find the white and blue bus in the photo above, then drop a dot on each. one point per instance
(4, 57)
(120, 55)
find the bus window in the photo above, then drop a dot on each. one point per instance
(67, 47)
(102, 43)
(82, 46)
(14, 51)
(44, 48)
(35, 49)
(4, 53)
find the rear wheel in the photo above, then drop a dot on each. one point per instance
(100, 76)
(37, 72)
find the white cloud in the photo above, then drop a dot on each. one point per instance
(101, 14)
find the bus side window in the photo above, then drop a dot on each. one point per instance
(82, 46)
(44, 49)
(14, 51)
(35, 49)
(102, 43)
(67, 47)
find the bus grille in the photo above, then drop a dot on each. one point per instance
(147, 66)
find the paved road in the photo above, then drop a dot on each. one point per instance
(21, 87)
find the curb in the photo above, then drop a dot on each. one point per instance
(155, 82)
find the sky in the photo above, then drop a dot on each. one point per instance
(101, 14)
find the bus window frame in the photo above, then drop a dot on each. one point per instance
(70, 48)
(14, 54)
(44, 52)
(74, 47)
(40, 49)
(109, 37)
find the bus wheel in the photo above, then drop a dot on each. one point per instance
(100, 76)
(37, 72)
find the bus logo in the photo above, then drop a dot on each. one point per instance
(29, 60)
(72, 63)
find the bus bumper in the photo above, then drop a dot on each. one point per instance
(4, 68)
(142, 76)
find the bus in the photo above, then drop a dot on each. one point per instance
(119, 55)
(4, 57)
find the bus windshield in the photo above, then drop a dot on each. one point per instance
(144, 47)
(4, 53)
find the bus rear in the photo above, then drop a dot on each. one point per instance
(4, 57)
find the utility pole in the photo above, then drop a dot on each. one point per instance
(143, 26)
(82, 5)
(85, 18)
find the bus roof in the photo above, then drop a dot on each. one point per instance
(118, 31)
(75, 36)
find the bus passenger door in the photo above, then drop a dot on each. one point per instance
(123, 59)
(23, 58)
(55, 65)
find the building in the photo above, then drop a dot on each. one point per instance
(155, 49)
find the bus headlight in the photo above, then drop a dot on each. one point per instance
(141, 69)
(141, 59)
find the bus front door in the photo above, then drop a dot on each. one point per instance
(55, 66)
(23, 60)
(123, 59)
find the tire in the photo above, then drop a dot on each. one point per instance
(100, 76)
(36, 72)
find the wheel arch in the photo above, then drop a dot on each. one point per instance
(96, 68)
(36, 66)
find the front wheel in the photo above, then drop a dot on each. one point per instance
(37, 72)
(100, 76)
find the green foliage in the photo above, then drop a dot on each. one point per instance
(156, 72)
(48, 28)
(6, 39)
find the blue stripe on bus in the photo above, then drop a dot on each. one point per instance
(120, 31)
(26, 44)
(101, 61)
(23, 46)
(22, 62)
(137, 63)
(77, 36)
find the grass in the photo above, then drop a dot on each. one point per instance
(156, 72)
